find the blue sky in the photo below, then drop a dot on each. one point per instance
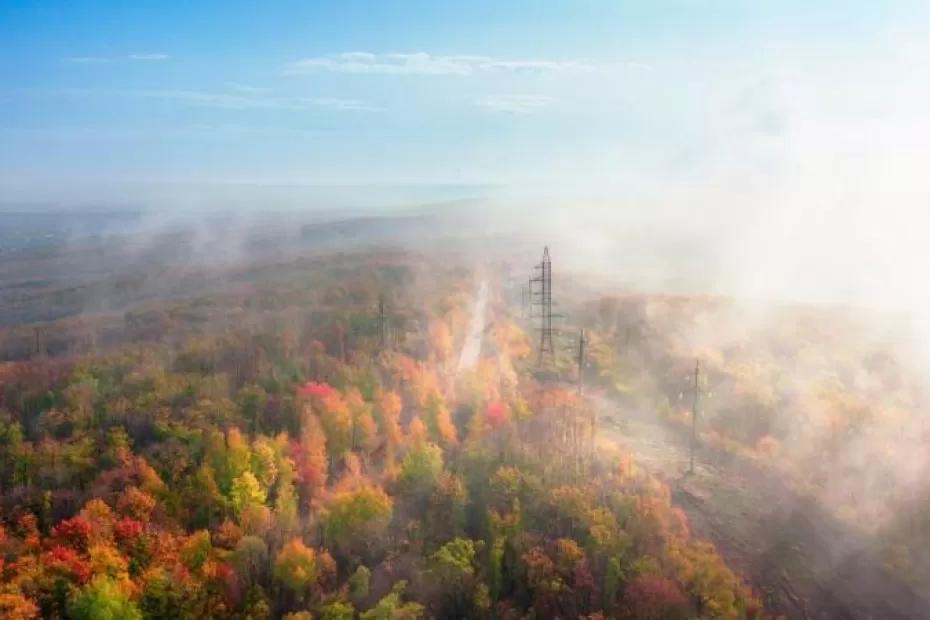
(634, 94)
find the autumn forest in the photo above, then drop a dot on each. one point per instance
(309, 442)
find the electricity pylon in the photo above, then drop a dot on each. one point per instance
(543, 299)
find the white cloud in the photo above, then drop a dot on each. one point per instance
(104, 59)
(513, 104)
(246, 88)
(87, 60)
(422, 63)
(149, 57)
(207, 99)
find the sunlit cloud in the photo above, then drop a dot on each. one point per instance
(422, 63)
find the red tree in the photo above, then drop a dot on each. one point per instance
(655, 598)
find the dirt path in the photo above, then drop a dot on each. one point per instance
(471, 349)
(802, 561)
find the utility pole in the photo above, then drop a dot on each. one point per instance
(694, 408)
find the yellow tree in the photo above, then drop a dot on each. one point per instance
(356, 518)
(296, 567)
(390, 408)
(439, 420)
(440, 340)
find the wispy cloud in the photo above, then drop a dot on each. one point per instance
(422, 63)
(149, 56)
(87, 60)
(228, 101)
(513, 104)
(246, 88)
(106, 59)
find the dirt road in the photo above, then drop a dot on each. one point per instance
(802, 561)
(471, 349)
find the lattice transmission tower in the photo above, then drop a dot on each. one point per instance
(541, 295)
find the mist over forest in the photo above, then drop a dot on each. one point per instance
(588, 310)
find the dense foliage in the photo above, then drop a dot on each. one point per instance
(296, 469)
